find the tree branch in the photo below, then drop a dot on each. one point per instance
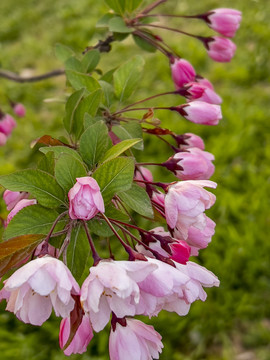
(20, 79)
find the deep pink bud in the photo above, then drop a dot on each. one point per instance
(196, 164)
(7, 123)
(3, 139)
(142, 173)
(220, 49)
(200, 112)
(180, 251)
(85, 199)
(19, 206)
(203, 81)
(19, 110)
(224, 21)
(192, 140)
(83, 336)
(196, 91)
(182, 72)
(11, 198)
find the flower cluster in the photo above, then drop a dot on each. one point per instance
(86, 189)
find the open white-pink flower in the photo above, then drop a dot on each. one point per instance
(37, 287)
(134, 341)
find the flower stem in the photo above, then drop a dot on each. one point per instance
(95, 255)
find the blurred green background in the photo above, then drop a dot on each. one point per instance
(234, 322)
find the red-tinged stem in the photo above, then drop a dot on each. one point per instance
(159, 184)
(151, 41)
(95, 255)
(168, 28)
(171, 16)
(149, 163)
(153, 6)
(65, 244)
(143, 108)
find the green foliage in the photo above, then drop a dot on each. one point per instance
(120, 148)
(129, 131)
(138, 200)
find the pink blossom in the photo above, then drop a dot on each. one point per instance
(196, 164)
(205, 82)
(19, 110)
(11, 198)
(37, 287)
(19, 206)
(85, 199)
(185, 203)
(7, 123)
(182, 72)
(142, 173)
(220, 49)
(224, 21)
(112, 286)
(200, 112)
(158, 197)
(192, 140)
(3, 139)
(200, 92)
(82, 338)
(134, 341)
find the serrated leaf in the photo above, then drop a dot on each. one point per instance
(63, 52)
(143, 44)
(91, 120)
(77, 252)
(59, 150)
(67, 169)
(90, 105)
(138, 200)
(119, 148)
(114, 176)
(130, 130)
(117, 24)
(94, 142)
(47, 163)
(127, 76)
(38, 183)
(14, 251)
(90, 60)
(33, 219)
(79, 80)
(71, 106)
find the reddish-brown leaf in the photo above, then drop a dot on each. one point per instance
(48, 140)
(15, 250)
(158, 131)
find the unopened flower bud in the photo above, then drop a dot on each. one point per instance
(3, 139)
(85, 199)
(182, 72)
(224, 21)
(189, 140)
(220, 49)
(7, 123)
(19, 206)
(11, 198)
(19, 110)
(199, 92)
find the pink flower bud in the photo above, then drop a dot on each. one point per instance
(3, 139)
(85, 199)
(19, 206)
(199, 92)
(82, 338)
(220, 49)
(19, 110)
(142, 173)
(224, 21)
(192, 140)
(182, 72)
(196, 164)
(11, 198)
(7, 123)
(180, 251)
(200, 112)
(135, 340)
(205, 82)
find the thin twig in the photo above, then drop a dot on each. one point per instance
(21, 79)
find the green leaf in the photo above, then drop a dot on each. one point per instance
(94, 142)
(104, 21)
(143, 44)
(47, 163)
(14, 251)
(38, 183)
(60, 150)
(108, 93)
(114, 176)
(90, 60)
(108, 76)
(73, 64)
(127, 76)
(131, 5)
(138, 200)
(119, 148)
(33, 219)
(62, 52)
(118, 25)
(117, 5)
(67, 169)
(90, 105)
(71, 106)
(130, 130)
(91, 120)
(79, 80)
(78, 252)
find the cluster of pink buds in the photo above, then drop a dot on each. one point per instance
(8, 123)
